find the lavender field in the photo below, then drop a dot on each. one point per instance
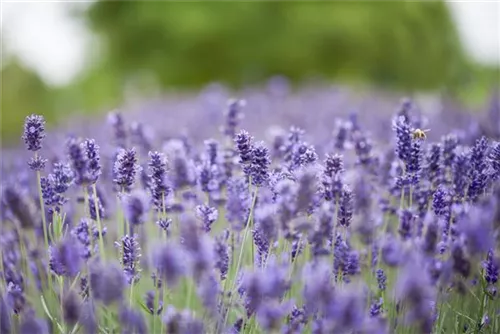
(281, 212)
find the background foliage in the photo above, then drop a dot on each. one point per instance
(158, 46)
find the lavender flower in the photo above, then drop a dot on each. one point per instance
(221, 251)
(91, 153)
(15, 297)
(82, 233)
(164, 224)
(88, 318)
(209, 291)
(5, 323)
(107, 282)
(461, 264)
(430, 239)
(30, 325)
(434, 164)
(345, 208)
(238, 203)
(334, 164)
(153, 303)
(77, 160)
(65, 258)
(306, 190)
(406, 224)
(61, 177)
(450, 143)
(403, 139)
(491, 268)
(34, 132)
(260, 165)
(37, 163)
(270, 315)
(71, 308)
(158, 179)
(460, 175)
(293, 140)
(381, 279)
(244, 147)
(125, 169)
(376, 308)
(115, 119)
(181, 322)
(302, 155)
(494, 160)
(212, 151)
(478, 155)
(140, 137)
(132, 321)
(441, 203)
(198, 246)
(233, 115)
(182, 172)
(341, 134)
(363, 148)
(416, 292)
(18, 206)
(136, 207)
(207, 215)
(170, 263)
(130, 252)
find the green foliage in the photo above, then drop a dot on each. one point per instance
(23, 92)
(410, 45)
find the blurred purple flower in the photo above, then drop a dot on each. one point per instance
(107, 282)
(136, 207)
(170, 262)
(65, 257)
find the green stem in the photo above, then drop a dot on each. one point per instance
(87, 207)
(102, 251)
(240, 256)
(42, 208)
(131, 293)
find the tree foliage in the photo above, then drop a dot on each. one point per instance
(398, 44)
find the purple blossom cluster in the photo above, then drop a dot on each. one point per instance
(346, 228)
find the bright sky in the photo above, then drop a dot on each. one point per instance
(45, 36)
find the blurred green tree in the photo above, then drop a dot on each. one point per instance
(409, 45)
(23, 93)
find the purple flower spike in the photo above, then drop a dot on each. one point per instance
(207, 215)
(346, 207)
(494, 160)
(126, 169)
(160, 191)
(136, 207)
(107, 282)
(491, 268)
(91, 152)
(170, 262)
(260, 165)
(130, 251)
(34, 132)
(65, 258)
(244, 146)
(403, 139)
(233, 115)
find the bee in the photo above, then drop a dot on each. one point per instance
(420, 134)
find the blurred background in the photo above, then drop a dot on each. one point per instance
(61, 59)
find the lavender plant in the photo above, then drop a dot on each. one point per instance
(236, 235)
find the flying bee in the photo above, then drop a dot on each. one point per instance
(420, 134)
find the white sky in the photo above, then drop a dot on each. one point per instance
(45, 36)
